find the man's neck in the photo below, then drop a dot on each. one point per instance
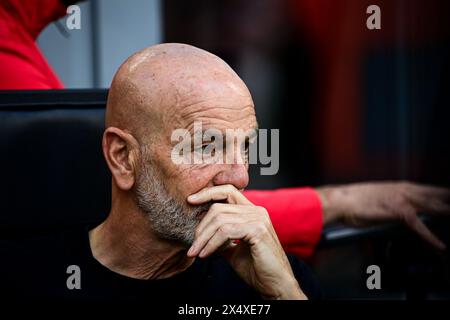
(129, 247)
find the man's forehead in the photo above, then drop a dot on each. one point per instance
(240, 119)
(199, 127)
(215, 102)
(219, 113)
(193, 86)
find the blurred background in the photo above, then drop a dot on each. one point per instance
(351, 104)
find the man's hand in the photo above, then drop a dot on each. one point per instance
(362, 203)
(258, 258)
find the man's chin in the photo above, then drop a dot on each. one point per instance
(201, 215)
(200, 212)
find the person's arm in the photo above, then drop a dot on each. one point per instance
(296, 215)
(34, 16)
(361, 204)
(21, 61)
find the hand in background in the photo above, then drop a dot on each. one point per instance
(360, 204)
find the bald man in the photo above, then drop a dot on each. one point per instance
(298, 214)
(181, 232)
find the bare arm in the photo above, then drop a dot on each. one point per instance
(360, 204)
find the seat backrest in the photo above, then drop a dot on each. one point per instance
(53, 171)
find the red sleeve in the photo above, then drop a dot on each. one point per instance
(296, 215)
(33, 16)
(22, 64)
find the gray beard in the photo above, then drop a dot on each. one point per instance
(169, 218)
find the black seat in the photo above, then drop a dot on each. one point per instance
(53, 172)
(54, 177)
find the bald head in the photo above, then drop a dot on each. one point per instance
(155, 93)
(154, 87)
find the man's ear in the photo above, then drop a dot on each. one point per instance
(119, 149)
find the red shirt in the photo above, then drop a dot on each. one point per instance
(296, 213)
(22, 65)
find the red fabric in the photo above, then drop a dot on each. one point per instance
(22, 65)
(296, 215)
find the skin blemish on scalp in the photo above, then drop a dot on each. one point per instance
(139, 59)
(232, 86)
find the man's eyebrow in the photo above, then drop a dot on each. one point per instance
(254, 130)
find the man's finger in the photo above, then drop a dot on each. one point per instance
(432, 191)
(434, 206)
(222, 236)
(210, 229)
(225, 192)
(429, 203)
(220, 209)
(417, 225)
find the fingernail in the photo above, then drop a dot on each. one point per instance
(202, 253)
(191, 249)
(192, 197)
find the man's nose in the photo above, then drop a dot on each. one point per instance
(235, 174)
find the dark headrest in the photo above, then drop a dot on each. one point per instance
(53, 171)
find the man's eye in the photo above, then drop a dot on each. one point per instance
(209, 148)
(201, 149)
(247, 146)
(198, 149)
